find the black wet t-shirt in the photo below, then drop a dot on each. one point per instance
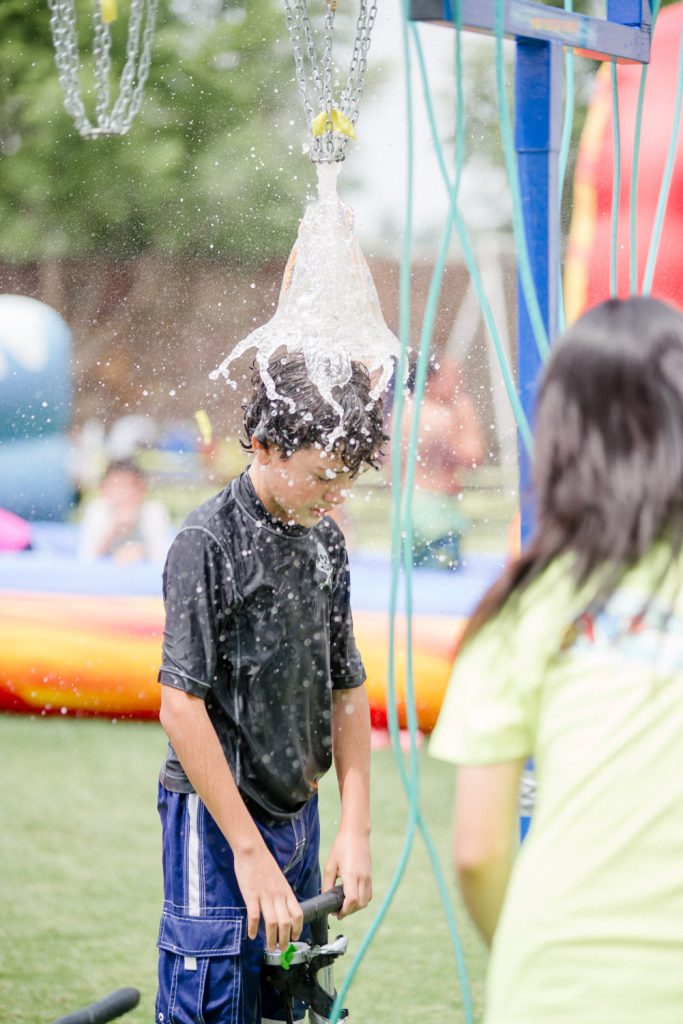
(258, 624)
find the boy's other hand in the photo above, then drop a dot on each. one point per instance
(267, 894)
(349, 861)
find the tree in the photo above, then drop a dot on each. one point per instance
(210, 167)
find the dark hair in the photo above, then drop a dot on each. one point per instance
(125, 466)
(301, 418)
(608, 461)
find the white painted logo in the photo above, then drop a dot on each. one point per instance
(324, 566)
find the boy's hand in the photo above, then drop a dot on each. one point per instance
(349, 861)
(267, 894)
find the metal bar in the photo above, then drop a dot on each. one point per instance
(538, 131)
(615, 39)
(630, 12)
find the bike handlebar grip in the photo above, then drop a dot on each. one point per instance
(112, 1006)
(320, 906)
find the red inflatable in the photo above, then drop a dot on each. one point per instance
(587, 274)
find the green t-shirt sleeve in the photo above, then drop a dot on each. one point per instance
(491, 706)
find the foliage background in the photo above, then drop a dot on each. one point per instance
(205, 171)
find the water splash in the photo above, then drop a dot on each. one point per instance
(328, 308)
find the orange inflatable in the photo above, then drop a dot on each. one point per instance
(99, 655)
(587, 272)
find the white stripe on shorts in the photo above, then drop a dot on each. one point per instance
(193, 900)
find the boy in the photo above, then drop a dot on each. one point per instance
(262, 689)
(121, 522)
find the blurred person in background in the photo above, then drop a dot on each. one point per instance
(449, 440)
(121, 522)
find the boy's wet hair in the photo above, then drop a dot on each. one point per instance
(273, 422)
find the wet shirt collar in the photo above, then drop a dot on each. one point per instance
(247, 497)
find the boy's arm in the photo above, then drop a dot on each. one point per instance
(349, 858)
(264, 888)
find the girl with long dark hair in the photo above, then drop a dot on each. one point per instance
(575, 657)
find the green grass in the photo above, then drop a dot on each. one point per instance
(80, 879)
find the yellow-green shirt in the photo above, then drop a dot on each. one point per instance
(591, 931)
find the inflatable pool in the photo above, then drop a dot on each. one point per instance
(85, 638)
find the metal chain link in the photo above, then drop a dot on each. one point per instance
(328, 137)
(357, 82)
(294, 28)
(302, 13)
(331, 145)
(118, 120)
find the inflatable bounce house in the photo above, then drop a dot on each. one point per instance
(35, 409)
(589, 254)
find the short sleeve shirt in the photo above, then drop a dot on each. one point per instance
(592, 925)
(259, 625)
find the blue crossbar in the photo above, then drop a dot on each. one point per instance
(624, 34)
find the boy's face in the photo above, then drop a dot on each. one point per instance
(302, 488)
(123, 489)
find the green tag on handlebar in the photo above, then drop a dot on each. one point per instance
(286, 956)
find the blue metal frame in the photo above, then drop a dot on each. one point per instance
(541, 32)
(538, 131)
(624, 34)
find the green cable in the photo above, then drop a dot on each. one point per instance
(569, 102)
(636, 160)
(666, 181)
(525, 274)
(407, 534)
(392, 714)
(633, 210)
(402, 532)
(471, 263)
(568, 108)
(616, 186)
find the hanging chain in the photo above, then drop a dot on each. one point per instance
(328, 137)
(114, 120)
(318, 79)
(295, 29)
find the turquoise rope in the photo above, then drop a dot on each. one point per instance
(633, 210)
(407, 533)
(568, 107)
(666, 181)
(471, 263)
(410, 782)
(525, 274)
(569, 103)
(616, 186)
(402, 528)
(633, 277)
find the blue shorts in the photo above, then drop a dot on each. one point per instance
(209, 970)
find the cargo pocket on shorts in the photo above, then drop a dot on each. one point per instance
(199, 969)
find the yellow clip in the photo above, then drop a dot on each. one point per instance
(340, 124)
(204, 424)
(109, 10)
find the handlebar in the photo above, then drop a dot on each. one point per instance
(124, 999)
(107, 1009)
(319, 907)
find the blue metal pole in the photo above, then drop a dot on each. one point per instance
(538, 129)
